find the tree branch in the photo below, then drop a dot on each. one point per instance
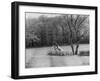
(81, 22)
(82, 36)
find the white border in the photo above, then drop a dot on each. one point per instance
(37, 71)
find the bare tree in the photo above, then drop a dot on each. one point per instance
(78, 27)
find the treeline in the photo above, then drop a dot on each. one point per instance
(45, 31)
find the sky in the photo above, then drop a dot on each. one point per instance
(36, 15)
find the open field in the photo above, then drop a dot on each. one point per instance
(38, 57)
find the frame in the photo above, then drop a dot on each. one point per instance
(73, 48)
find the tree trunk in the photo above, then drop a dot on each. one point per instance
(77, 47)
(71, 43)
(72, 49)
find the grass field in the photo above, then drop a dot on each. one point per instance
(38, 57)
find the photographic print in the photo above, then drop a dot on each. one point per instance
(54, 40)
(51, 40)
